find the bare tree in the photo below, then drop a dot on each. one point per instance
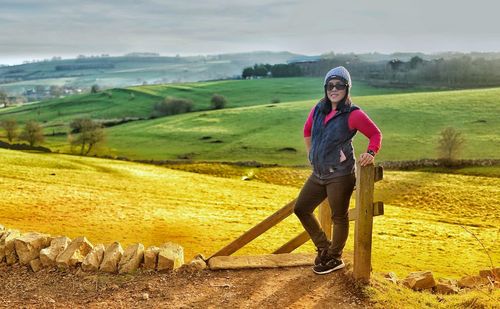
(10, 126)
(32, 133)
(86, 133)
(4, 100)
(450, 143)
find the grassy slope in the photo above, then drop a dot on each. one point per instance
(114, 200)
(56, 114)
(239, 93)
(254, 92)
(410, 124)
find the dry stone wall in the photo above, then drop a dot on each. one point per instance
(38, 251)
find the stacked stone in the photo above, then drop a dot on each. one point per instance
(424, 280)
(7, 246)
(38, 250)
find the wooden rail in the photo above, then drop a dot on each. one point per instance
(257, 230)
(293, 244)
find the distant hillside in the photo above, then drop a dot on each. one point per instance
(272, 133)
(252, 127)
(33, 80)
(137, 102)
(133, 69)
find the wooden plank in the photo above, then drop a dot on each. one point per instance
(257, 230)
(364, 222)
(379, 173)
(325, 218)
(261, 261)
(293, 244)
(378, 210)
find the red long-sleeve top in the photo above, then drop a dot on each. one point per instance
(358, 120)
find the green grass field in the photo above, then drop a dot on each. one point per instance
(57, 113)
(254, 129)
(410, 124)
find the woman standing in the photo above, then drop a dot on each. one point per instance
(328, 133)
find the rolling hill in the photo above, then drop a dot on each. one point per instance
(254, 129)
(139, 101)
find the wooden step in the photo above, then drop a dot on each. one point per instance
(261, 261)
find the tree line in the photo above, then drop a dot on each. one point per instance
(269, 70)
(458, 71)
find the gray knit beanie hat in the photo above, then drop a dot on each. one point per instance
(340, 73)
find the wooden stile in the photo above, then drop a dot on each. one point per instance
(362, 214)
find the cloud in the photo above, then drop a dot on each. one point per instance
(53, 27)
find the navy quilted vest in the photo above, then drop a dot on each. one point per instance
(329, 140)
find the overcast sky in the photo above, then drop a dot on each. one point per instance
(44, 28)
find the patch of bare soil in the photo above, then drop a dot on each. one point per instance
(294, 287)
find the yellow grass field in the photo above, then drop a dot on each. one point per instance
(108, 200)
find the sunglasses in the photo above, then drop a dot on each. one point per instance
(338, 86)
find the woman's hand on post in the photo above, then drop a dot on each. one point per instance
(366, 159)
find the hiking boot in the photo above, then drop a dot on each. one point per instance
(328, 266)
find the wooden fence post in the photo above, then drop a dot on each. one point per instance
(325, 218)
(364, 222)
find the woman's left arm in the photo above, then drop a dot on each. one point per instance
(360, 121)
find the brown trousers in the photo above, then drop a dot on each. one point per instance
(339, 191)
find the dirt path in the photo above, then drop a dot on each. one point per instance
(295, 287)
